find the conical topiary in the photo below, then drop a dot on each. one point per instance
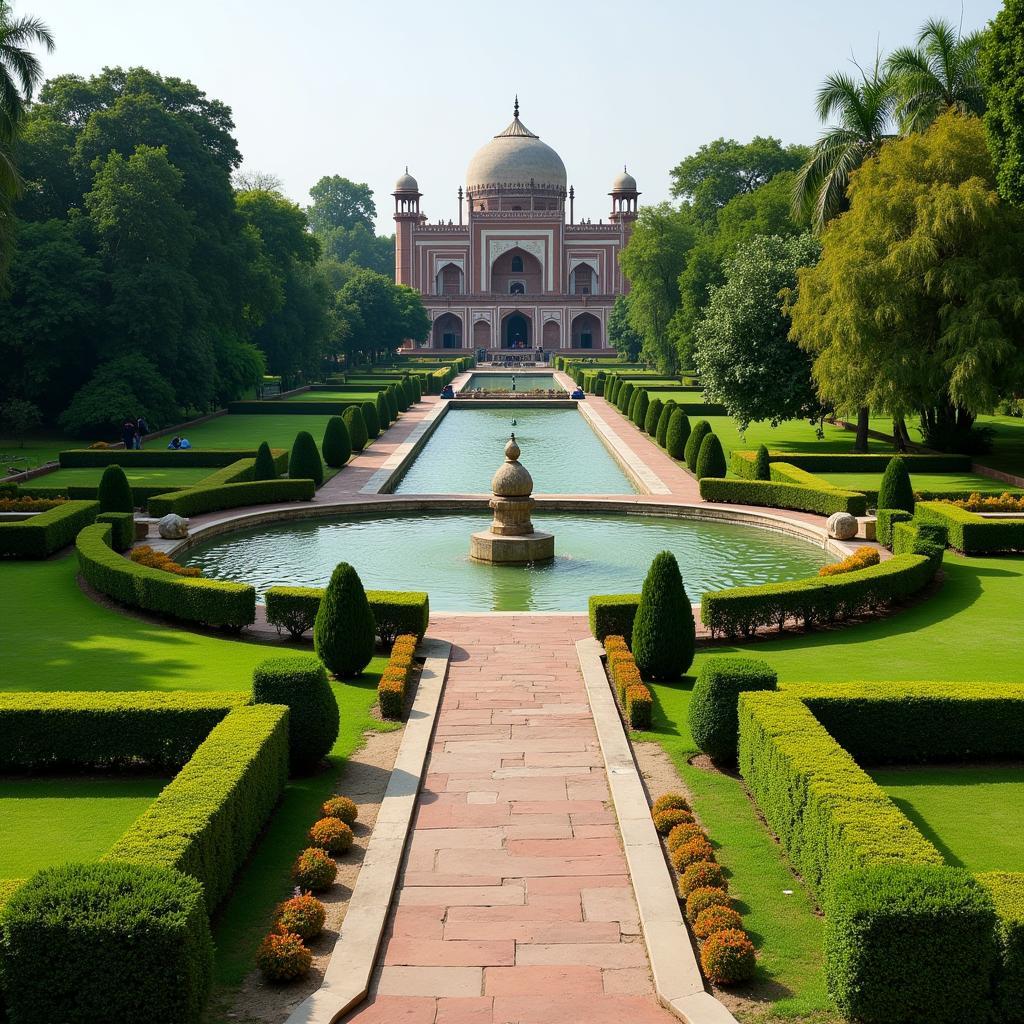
(353, 418)
(895, 490)
(664, 633)
(700, 430)
(661, 434)
(264, 468)
(711, 458)
(640, 407)
(652, 417)
(762, 464)
(383, 415)
(373, 426)
(389, 397)
(633, 399)
(304, 459)
(611, 391)
(401, 396)
(417, 388)
(344, 630)
(115, 493)
(624, 395)
(678, 435)
(337, 446)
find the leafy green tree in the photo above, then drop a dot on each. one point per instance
(337, 446)
(664, 632)
(896, 490)
(18, 417)
(742, 351)
(621, 335)
(344, 630)
(917, 302)
(940, 73)
(1002, 68)
(342, 217)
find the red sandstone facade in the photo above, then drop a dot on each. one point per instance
(512, 275)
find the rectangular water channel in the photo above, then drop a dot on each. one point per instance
(561, 451)
(519, 382)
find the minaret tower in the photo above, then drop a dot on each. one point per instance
(624, 210)
(407, 215)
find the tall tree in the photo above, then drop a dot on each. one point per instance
(1002, 67)
(621, 335)
(342, 217)
(940, 73)
(917, 303)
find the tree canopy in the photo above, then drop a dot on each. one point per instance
(1002, 68)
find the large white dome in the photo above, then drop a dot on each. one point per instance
(515, 157)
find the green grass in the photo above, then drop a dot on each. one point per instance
(51, 821)
(35, 451)
(972, 814)
(247, 431)
(138, 476)
(334, 396)
(930, 482)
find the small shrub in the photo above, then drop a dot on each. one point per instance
(683, 833)
(701, 429)
(625, 395)
(341, 807)
(303, 914)
(728, 957)
(638, 706)
(661, 432)
(114, 492)
(383, 413)
(652, 417)
(337, 446)
(677, 436)
(263, 468)
(145, 555)
(762, 464)
(615, 643)
(304, 461)
(283, 956)
(640, 407)
(331, 834)
(664, 632)
(712, 712)
(895, 490)
(314, 869)
(699, 875)
(392, 400)
(665, 821)
(715, 919)
(122, 530)
(391, 698)
(353, 420)
(860, 559)
(693, 852)
(705, 896)
(373, 426)
(711, 458)
(670, 801)
(344, 632)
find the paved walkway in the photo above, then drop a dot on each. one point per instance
(514, 905)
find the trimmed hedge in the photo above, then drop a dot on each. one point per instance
(213, 602)
(971, 533)
(910, 943)
(46, 532)
(85, 943)
(122, 526)
(206, 820)
(712, 710)
(391, 687)
(612, 614)
(272, 407)
(95, 730)
(1006, 889)
(773, 494)
(194, 501)
(886, 519)
(344, 628)
(394, 611)
(742, 462)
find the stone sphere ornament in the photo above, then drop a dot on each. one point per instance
(172, 527)
(842, 526)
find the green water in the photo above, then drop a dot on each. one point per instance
(595, 554)
(562, 453)
(504, 382)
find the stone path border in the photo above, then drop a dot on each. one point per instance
(677, 978)
(347, 978)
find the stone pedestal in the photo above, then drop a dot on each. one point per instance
(487, 546)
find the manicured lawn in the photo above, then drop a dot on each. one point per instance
(973, 814)
(247, 431)
(35, 451)
(50, 821)
(138, 476)
(792, 436)
(923, 482)
(335, 396)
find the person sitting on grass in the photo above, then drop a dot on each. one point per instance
(179, 443)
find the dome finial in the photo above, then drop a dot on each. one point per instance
(515, 109)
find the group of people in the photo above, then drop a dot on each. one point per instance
(133, 431)
(179, 443)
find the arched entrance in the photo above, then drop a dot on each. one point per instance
(515, 331)
(586, 331)
(447, 331)
(552, 334)
(482, 334)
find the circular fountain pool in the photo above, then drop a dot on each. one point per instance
(595, 553)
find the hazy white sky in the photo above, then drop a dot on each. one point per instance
(364, 88)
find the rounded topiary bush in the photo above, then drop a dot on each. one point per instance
(713, 704)
(682, 833)
(383, 415)
(115, 493)
(314, 869)
(895, 490)
(700, 430)
(711, 458)
(373, 426)
(699, 875)
(664, 418)
(341, 807)
(389, 397)
(417, 388)
(299, 681)
(624, 396)
(401, 396)
(664, 633)
(640, 407)
(652, 418)
(264, 468)
(715, 919)
(337, 446)
(353, 418)
(670, 800)
(703, 897)
(677, 434)
(611, 390)
(304, 460)
(331, 834)
(666, 820)
(344, 632)
(762, 464)
(691, 852)
(283, 956)
(304, 914)
(728, 957)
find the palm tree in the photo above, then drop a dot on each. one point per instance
(863, 111)
(939, 73)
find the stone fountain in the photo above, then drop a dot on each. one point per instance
(511, 537)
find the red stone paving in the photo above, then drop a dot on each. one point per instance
(515, 902)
